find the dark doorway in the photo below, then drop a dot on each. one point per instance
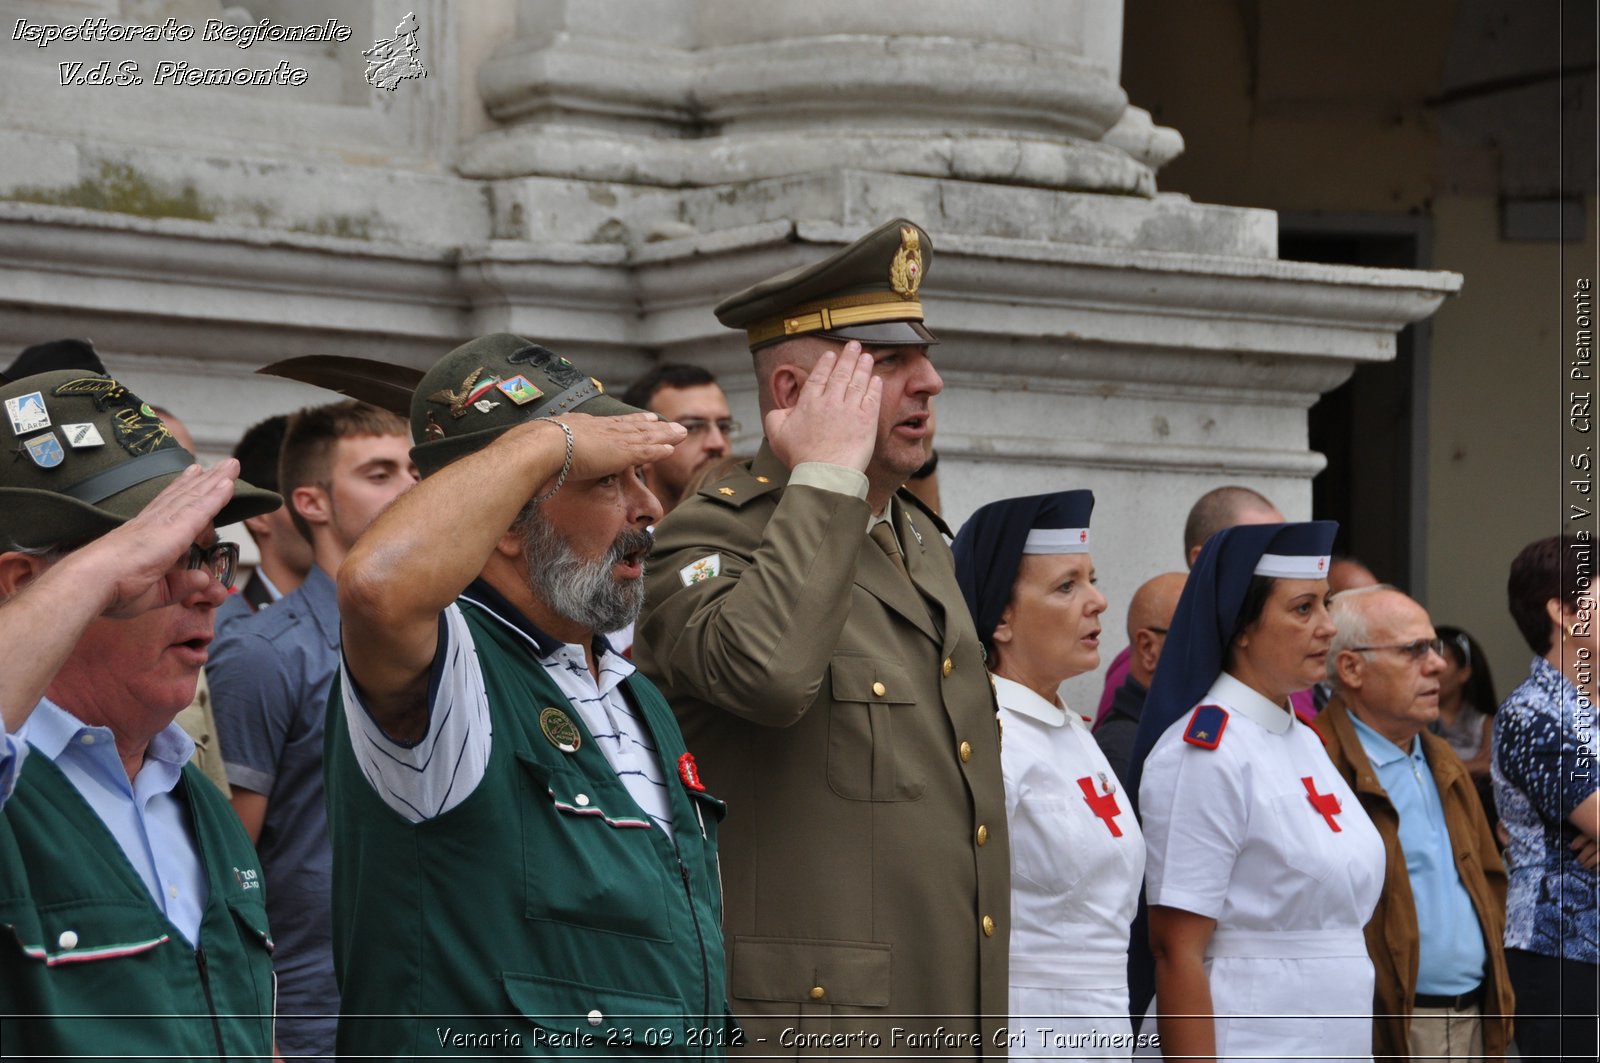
(1372, 428)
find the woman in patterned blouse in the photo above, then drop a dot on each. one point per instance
(1546, 787)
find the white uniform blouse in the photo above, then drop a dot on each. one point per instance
(1077, 859)
(1262, 835)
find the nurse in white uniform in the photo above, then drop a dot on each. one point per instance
(1262, 866)
(1077, 853)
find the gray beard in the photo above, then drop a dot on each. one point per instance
(580, 590)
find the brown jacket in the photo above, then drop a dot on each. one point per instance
(844, 713)
(1392, 933)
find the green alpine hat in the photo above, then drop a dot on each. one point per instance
(491, 384)
(865, 292)
(87, 455)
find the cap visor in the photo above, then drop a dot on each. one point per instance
(884, 334)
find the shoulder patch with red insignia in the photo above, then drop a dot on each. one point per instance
(1206, 726)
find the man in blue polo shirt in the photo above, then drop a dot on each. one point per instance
(1435, 938)
(270, 674)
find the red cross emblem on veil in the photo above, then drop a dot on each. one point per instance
(1327, 804)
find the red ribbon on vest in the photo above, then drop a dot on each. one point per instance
(690, 774)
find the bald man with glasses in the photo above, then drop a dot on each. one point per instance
(1435, 939)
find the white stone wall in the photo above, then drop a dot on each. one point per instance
(599, 173)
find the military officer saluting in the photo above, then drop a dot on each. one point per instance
(803, 618)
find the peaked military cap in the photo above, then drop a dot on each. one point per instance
(85, 456)
(491, 384)
(865, 292)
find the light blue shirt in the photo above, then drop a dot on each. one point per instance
(1451, 952)
(149, 823)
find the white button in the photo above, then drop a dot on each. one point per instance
(595, 1018)
(68, 939)
(88, 740)
(581, 800)
(172, 891)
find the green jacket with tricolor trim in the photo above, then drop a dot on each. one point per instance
(543, 915)
(89, 966)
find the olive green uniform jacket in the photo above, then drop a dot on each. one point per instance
(845, 715)
(1392, 938)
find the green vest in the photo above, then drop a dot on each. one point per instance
(545, 914)
(90, 966)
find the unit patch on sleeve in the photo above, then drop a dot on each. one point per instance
(701, 570)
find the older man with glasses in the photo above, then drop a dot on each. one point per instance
(1435, 939)
(131, 915)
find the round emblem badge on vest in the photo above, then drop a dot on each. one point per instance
(559, 728)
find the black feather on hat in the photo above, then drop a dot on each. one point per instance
(469, 398)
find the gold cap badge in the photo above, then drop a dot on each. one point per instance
(905, 271)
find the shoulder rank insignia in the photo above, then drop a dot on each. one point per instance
(1206, 726)
(701, 570)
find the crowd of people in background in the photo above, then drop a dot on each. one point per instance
(544, 725)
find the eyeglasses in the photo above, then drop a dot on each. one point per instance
(698, 425)
(1415, 650)
(220, 559)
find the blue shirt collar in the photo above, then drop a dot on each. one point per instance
(322, 600)
(51, 727)
(1380, 750)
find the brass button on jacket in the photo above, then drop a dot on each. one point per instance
(965, 750)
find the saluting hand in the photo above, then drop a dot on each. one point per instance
(604, 445)
(142, 555)
(835, 417)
